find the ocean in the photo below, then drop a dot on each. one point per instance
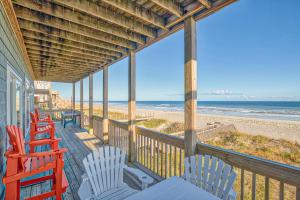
(279, 110)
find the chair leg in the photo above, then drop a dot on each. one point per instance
(12, 191)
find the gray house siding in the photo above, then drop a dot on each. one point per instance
(9, 53)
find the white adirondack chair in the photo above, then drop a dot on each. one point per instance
(211, 174)
(104, 175)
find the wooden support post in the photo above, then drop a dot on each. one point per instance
(190, 86)
(81, 104)
(105, 104)
(91, 102)
(73, 97)
(131, 106)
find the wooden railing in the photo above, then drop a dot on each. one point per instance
(97, 127)
(55, 113)
(264, 178)
(161, 153)
(118, 134)
(163, 156)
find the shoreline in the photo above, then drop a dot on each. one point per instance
(272, 128)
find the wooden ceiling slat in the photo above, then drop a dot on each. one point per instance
(169, 6)
(138, 11)
(34, 57)
(108, 15)
(46, 11)
(46, 45)
(64, 53)
(46, 54)
(54, 22)
(65, 64)
(29, 35)
(65, 35)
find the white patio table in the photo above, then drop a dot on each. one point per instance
(174, 188)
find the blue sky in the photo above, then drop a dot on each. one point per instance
(250, 50)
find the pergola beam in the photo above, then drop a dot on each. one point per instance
(169, 6)
(46, 11)
(26, 14)
(100, 42)
(105, 14)
(40, 38)
(138, 11)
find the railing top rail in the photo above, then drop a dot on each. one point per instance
(162, 137)
(279, 171)
(119, 124)
(97, 117)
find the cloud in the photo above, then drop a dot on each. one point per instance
(222, 93)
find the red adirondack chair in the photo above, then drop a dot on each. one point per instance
(47, 118)
(36, 129)
(21, 165)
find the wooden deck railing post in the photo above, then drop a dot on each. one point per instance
(91, 101)
(81, 104)
(105, 104)
(190, 85)
(131, 106)
(73, 97)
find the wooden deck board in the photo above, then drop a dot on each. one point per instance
(79, 143)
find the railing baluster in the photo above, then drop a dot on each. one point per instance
(298, 193)
(150, 153)
(175, 163)
(253, 186)
(166, 160)
(161, 159)
(267, 188)
(170, 161)
(180, 162)
(157, 156)
(144, 147)
(281, 191)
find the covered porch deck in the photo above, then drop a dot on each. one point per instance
(79, 143)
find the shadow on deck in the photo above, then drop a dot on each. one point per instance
(79, 143)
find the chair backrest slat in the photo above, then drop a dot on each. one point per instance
(211, 174)
(16, 139)
(104, 168)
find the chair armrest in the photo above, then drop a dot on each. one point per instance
(43, 141)
(85, 191)
(232, 195)
(39, 154)
(144, 178)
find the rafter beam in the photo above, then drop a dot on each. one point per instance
(105, 14)
(30, 35)
(138, 11)
(64, 53)
(48, 55)
(44, 44)
(64, 64)
(205, 3)
(64, 35)
(169, 6)
(46, 10)
(24, 13)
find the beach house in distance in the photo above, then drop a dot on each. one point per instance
(69, 40)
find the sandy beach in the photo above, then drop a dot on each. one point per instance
(276, 129)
